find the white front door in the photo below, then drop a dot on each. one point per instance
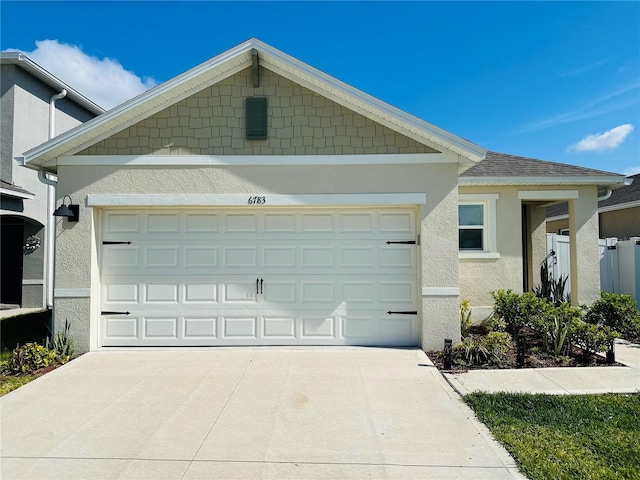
(259, 277)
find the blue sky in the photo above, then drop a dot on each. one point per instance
(557, 81)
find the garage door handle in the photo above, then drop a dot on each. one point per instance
(412, 312)
(107, 312)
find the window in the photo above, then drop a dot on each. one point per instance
(471, 227)
(477, 226)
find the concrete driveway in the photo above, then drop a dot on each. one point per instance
(245, 413)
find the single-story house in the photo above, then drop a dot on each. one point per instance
(618, 213)
(254, 200)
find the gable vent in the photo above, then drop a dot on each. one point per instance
(256, 110)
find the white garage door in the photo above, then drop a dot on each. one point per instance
(258, 277)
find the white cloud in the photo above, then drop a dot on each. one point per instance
(600, 142)
(104, 81)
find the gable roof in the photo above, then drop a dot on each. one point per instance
(503, 169)
(24, 62)
(227, 64)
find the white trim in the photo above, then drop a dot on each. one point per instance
(36, 281)
(472, 254)
(619, 206)
(440, 291)
(562, 180)
(242, 200)
(548, 194)
(225, 65)
(489, 200)
(13, 193)
(72, 293)
(232, 160)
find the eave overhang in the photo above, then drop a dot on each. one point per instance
(226, 65)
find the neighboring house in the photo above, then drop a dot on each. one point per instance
(254, 200)
(618, 213)
(28, 113)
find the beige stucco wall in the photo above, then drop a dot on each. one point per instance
(300, 122)
(480, 276)
(76, 264)
(621, 224)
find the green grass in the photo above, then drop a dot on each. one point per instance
(566, 437)
(8, 384)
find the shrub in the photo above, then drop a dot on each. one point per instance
(63, 344)
(518, 310)
(29, 358)
(593, 338)
(551, 289)
(497, 343)
(493, 323)
(465, 318)
(618, 312)
(564, 320)
(472, 351)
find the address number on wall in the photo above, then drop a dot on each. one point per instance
(257, 200)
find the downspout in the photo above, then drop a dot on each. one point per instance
(51, 182)
(605, 196)
(52, 112)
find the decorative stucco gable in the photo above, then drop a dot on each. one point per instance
(300, 122)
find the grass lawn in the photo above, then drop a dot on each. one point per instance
(565, 437)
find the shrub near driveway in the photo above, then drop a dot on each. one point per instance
(557, 437)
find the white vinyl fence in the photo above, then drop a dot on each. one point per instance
(619, 263)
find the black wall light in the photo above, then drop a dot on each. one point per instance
(72, 212)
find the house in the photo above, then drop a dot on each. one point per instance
(35, 105)
(254, 200)
(618, 213)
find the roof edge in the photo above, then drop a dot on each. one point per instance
(23, 60)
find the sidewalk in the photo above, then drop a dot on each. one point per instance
(562, 381)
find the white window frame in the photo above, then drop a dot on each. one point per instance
(489, 227)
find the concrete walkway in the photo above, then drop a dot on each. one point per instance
(572, 380)
(246, 413)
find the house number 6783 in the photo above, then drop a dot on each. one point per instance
(257, 200)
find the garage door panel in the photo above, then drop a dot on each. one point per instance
(262, 277)
(160, 327)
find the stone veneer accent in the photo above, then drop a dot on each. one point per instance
(300, 122)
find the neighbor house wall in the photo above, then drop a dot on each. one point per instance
(624, 223)
(25, 124)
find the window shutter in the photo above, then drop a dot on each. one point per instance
(256, 110)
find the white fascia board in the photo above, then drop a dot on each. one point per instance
(564, 180)
(13, 193)
(142, 106)
(229, 63)
(548, 194)
(239, 160)
(366, 104)
(620, 206)
(243, 200)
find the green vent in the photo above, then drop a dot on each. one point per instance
(256, 118)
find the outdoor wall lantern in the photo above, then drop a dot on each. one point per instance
(72, 212)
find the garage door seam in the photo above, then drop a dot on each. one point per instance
(219, 415)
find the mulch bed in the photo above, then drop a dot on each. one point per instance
(539, 359)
